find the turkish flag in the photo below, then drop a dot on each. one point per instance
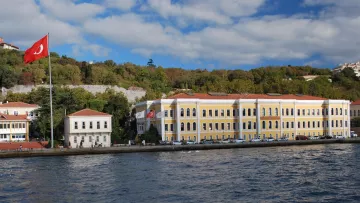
(151, 114)
(38, 50)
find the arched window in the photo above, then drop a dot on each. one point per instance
(182, 112)
(263, 112)
(270, 124)
(244, 112)
(332, 111)
(188, 127)
(182, 126)
(309, 126)
(188, 112)
(270, 112)
(263, 125)
(287, 112)
(254, 125)
(276, 124)
(337, 111)
(276, 112)
(194, 126)
(249, 112)
(249, 124)
(304, 125)
(194, 112)
(292, 111)
(299, 126)
(282, 111)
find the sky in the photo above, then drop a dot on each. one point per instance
(190, 34)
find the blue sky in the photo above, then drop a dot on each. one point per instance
(211, 34)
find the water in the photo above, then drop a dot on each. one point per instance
(321, 173)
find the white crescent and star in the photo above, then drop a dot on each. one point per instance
(41, 50)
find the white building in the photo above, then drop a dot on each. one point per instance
(14, 128)
(19, 108)
(4, 45)
(88, 128)
(354, 66)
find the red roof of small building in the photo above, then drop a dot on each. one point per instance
(13, 117)
(2, 44)
(18, 104)
(89, 112)
(357, 102)
(244, 96)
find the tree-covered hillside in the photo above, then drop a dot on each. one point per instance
(155, 79)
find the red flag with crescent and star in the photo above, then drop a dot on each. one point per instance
(151, 114)
(37, 51)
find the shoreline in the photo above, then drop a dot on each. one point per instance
(166, 148)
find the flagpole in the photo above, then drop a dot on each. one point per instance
(51, 109)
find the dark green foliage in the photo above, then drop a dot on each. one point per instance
(152, 135)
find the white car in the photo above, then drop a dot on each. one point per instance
(190, 142)
(340, 137)
(239, 140)
(227, 141)
(283, 139)
(269, 139)
(176, 143)
(255, 140)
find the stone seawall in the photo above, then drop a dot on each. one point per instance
(114, 150)
(130, 94)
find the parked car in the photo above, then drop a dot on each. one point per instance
(269, 139)
(239, 140)
(206, 142)
(190, 142)
(340, 137)
(283, 139)
(301, 137)
(176, 142)
(162, 142)
(353, 134)
(227, 141)
(255, 140)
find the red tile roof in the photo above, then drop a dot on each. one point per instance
(89, 112)
(18, 104)
(357, 102)
(13, 117)
(244, 96)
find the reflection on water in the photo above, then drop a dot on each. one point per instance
(316, 173)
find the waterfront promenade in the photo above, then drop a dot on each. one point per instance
(162, 148)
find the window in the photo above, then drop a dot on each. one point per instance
(105, 124)
(332, 111)
(210, 113)
(204, 126)
(75, 139)
(249, 112)
(171, 113)
(298, 112)
(182, 112)
(76, 125)
(194, 112)
(234, 126)
(194, 126)
(341, 123)
(166, 127)
(244, 125)
(276, 112)
(188, 126)
(254, 112)
(228, 126)
(171, 127)
(287, 112)
(166, 113)
(318, 112)
(313, 112)
(308, 112)
(313, 125)
(270, 124)
(263, 112)
(292, 111)
(222, 126)
(318, 124)
(234, 112)
(287, 125)
(336, 111)
(299, 125)
(263, 125)
(309, 126)
(244, 112)
(249, 124)
(340, 111)
(204, 113)
(292, 124)
(276, 124)
(303, 112)
(98, 125)
(270, 112)
(322, 111)
(188, 112)
(222, 113)
(82, 138)
(254, 125)
(228, 112)
(91, 125)
(216, 113)
(304, 125)
(282, 111)
(346, 124)
(90, 138)
(182, 127)
(345, 112)
(337, 123)
(216, 126)
(210, 126)
(104, 138)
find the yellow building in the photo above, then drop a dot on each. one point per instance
(197, 116)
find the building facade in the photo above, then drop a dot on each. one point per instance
(14, 128)
(19, 108)
(88, 128)
(195, 116)
(4, 45)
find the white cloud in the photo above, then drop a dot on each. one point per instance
(120, 4)
(68, 10)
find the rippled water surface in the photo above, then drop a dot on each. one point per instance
(320, 173)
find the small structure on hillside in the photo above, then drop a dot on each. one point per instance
(5, 45)
(88, 128)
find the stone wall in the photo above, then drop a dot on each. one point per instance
(130, 94)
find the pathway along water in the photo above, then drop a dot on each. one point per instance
(313, 173)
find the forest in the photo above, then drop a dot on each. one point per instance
(155, 80)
